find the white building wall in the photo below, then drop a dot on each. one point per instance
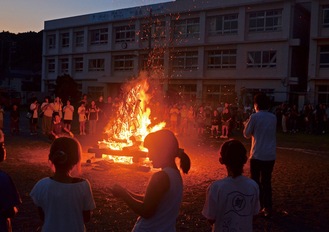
(243, 41)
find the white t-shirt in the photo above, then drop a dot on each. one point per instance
(68, 112)
(164, 219)
(63, 204)
(232, 202)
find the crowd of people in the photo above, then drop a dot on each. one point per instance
(53, 118)
(226, 119)
(65, 201)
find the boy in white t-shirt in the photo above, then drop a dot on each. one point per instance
(232, 202)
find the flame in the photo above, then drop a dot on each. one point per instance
(132, 122)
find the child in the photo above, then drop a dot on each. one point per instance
(158, 209)
(232, 202)
(226, 120)
(68, 114)
(9, 197)
(58, 128)
(215, 119)
(82, 118)
(64, 202)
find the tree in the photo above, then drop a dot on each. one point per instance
(67, 89)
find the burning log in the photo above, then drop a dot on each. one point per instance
(126, 151)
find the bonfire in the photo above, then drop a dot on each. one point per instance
(129, 125)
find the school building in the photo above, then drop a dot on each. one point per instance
(205, 50)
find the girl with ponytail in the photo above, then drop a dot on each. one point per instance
(158, 209)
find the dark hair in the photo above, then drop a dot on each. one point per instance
(262, 101)
(234, 155)
(165, 140)
(65, 153)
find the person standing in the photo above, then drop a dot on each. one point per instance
(261, 128)
(82, 111)
(93, 117)
(64, 201)
(232, 202)
(68, 115)
(58, 107)
(34, 107)
(158, 209)
(9, 196)
(47, 109)
(226, 118)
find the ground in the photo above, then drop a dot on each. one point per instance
(300, 182)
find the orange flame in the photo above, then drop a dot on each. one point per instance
(132, 121)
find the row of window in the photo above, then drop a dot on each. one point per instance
(188, 60)
(270, 20)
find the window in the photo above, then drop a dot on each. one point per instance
(270, 20)
(51, 65)
(157, 30)
(65, 40)
(185, 92)
(153, 62)
(261, 59)
(51, 41)
(95, 91)
(223, 24)
(187, 28)
(99, 36)
(64, 64)
(185, 60)
(220, 93)
(125, 33)
(78, 64)
(79, 38)
(222, 59)
(96, 65)
(123, 63)
(325, 11)
(324, 56)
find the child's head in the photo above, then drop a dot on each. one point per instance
(163, 148)
(65, 153)
(233, 155)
